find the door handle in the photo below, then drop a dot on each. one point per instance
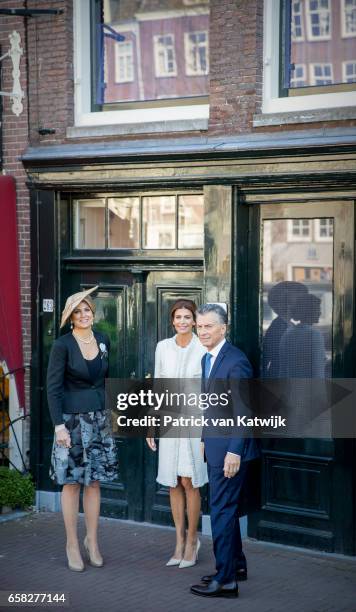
(148, 375)
(133, 374)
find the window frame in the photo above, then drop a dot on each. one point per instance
(309, 26)
(313, 77)
(299, 238)
(302, 23)
(345, 34)
(273, 102)
(344, 64)
(85, 116)
(317, 227)
(139, 251)
(117, 58)
(157, 48)
(187, 46)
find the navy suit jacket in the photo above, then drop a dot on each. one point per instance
(230, 364)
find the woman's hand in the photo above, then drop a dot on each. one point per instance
(63, 438)
(151, 443)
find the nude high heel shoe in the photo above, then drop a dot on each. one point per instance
(95, 560)
(74, 566)
(183, 564)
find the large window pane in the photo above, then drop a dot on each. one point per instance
(89, 224)
(159, 222)
(150, 51)
(191, 222)
(297, 294)
(319, 48)
(124, 223)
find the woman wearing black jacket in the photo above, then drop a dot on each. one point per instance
(83, 448)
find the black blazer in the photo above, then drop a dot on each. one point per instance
(69, 387)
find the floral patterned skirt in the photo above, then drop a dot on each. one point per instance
(92, 455)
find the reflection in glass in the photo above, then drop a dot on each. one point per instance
(322, 39)
(148, 51)
(159, 222)
(297, 299)
(191, 222)
(89, 224)
(124, 223)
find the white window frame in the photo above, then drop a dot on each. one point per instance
(157, 49)
(345, 34)
(188, 45)
(318, 237)
(304, 77)
(83, 115)
(127, 78)
(312, 77)
(298, 38)
(344, 64)
(310, 34)
(298, 238)
(272, 102)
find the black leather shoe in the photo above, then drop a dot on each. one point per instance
(241, 574)
(215, 589)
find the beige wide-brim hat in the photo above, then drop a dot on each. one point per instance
(73, 301)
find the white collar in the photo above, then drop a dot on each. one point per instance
(216, 350)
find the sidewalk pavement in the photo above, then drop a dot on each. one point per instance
(135, 578)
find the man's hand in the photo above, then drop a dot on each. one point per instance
(231, 465)
(151, 443)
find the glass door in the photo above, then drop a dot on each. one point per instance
(301, 325)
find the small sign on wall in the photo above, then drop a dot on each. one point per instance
(47, 305)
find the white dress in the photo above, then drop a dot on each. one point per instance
(180, 456)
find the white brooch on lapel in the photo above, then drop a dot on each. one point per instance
(103, 349)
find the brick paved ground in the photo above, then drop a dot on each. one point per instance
(135, 577)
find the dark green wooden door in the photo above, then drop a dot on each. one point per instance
(133, 309)
(307, 484)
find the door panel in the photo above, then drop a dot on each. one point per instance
(133, 310)
(163, 289)
(301, 326)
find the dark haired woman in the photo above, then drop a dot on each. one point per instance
(180, 463)
(83, 448)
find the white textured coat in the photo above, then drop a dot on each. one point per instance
(180, 456)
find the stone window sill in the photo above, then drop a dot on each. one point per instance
(305, 116)
(154, 127)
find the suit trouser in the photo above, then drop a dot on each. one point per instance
(225, 524)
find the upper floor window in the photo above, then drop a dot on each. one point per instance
(348, 18)
(134, 55)
(297, 26)
(139, 222)
(151, 42)
(322, 51)
(196, 53)
(124, 68)
(165, 56)
(309, 50)
(319, 19)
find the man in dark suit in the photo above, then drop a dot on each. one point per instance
(227, 458)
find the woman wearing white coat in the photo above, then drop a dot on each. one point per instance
(180, 463)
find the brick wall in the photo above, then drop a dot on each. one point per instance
(15, 140)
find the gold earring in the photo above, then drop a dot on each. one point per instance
(71, 325)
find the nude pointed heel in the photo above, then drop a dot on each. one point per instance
(72, 565)
(94, 560)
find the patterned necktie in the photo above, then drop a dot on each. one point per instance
(208, 359)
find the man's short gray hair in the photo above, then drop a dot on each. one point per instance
(219, 310)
